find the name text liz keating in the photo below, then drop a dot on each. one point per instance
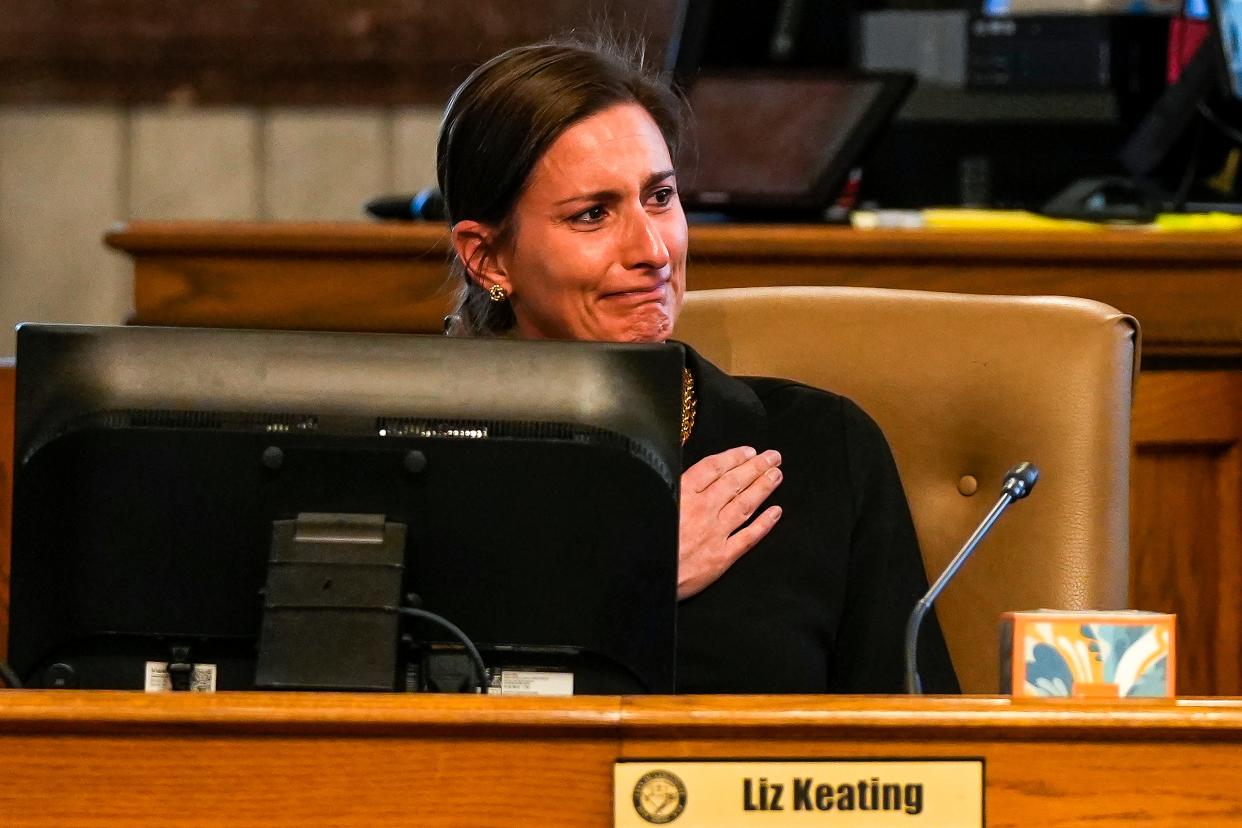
(807, 794)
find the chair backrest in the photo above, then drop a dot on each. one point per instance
(964, 387)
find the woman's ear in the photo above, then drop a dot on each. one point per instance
(475, 244)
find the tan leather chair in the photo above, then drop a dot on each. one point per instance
(965, 387)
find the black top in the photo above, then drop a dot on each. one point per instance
(821, 603)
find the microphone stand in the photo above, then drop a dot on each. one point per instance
(1018, 484)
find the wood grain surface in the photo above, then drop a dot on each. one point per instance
(112, 759)
(1186, 519)
(1183, 288)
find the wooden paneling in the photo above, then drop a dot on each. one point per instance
(98, 759)
(352, 52)
(360, 761)
(1186, 519)
(1182, 287)
(295, 293)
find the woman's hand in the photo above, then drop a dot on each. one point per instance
(718, 494)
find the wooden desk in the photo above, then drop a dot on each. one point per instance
(1185, 289)
(110, 759)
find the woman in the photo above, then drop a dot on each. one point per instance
(798, 560)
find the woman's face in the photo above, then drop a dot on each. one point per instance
(598, 250)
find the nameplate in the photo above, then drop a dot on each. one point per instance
(946, 793)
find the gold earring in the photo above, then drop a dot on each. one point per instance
(497, 293)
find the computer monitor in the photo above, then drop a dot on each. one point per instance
(255, 506)
(1227, 32)
(781, 143)
(742, 34)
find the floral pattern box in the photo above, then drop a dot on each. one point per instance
(1115, 654)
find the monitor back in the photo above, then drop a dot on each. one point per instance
(541, 513)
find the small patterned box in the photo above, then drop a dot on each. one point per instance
(1082, 654)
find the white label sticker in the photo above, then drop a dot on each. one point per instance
(533, 683)
(202, 680)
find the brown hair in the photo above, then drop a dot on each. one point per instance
(501, 121)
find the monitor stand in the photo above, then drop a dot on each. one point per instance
(331, 606)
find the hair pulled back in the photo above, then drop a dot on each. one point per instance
(501, 121)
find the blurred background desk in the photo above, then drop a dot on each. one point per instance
(1185, 289)
(295, 759)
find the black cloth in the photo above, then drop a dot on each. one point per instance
(821, 603)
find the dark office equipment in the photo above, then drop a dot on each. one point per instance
(1170, 156)
(232, 501)
(425, 205)
(1058, 52)
(782, 144)
(1227, 35)
(1192, 128)
(1121, 54)
(743, 34)
(1173, 113)
(1049, 100)
(1113, 199)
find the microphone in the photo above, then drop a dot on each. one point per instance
(1018, 484)
(425, 205)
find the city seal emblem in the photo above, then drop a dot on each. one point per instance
(659, 797)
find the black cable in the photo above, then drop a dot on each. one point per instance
(1215, 120)
(1188, 176)
(10, 676)
(479, 666)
